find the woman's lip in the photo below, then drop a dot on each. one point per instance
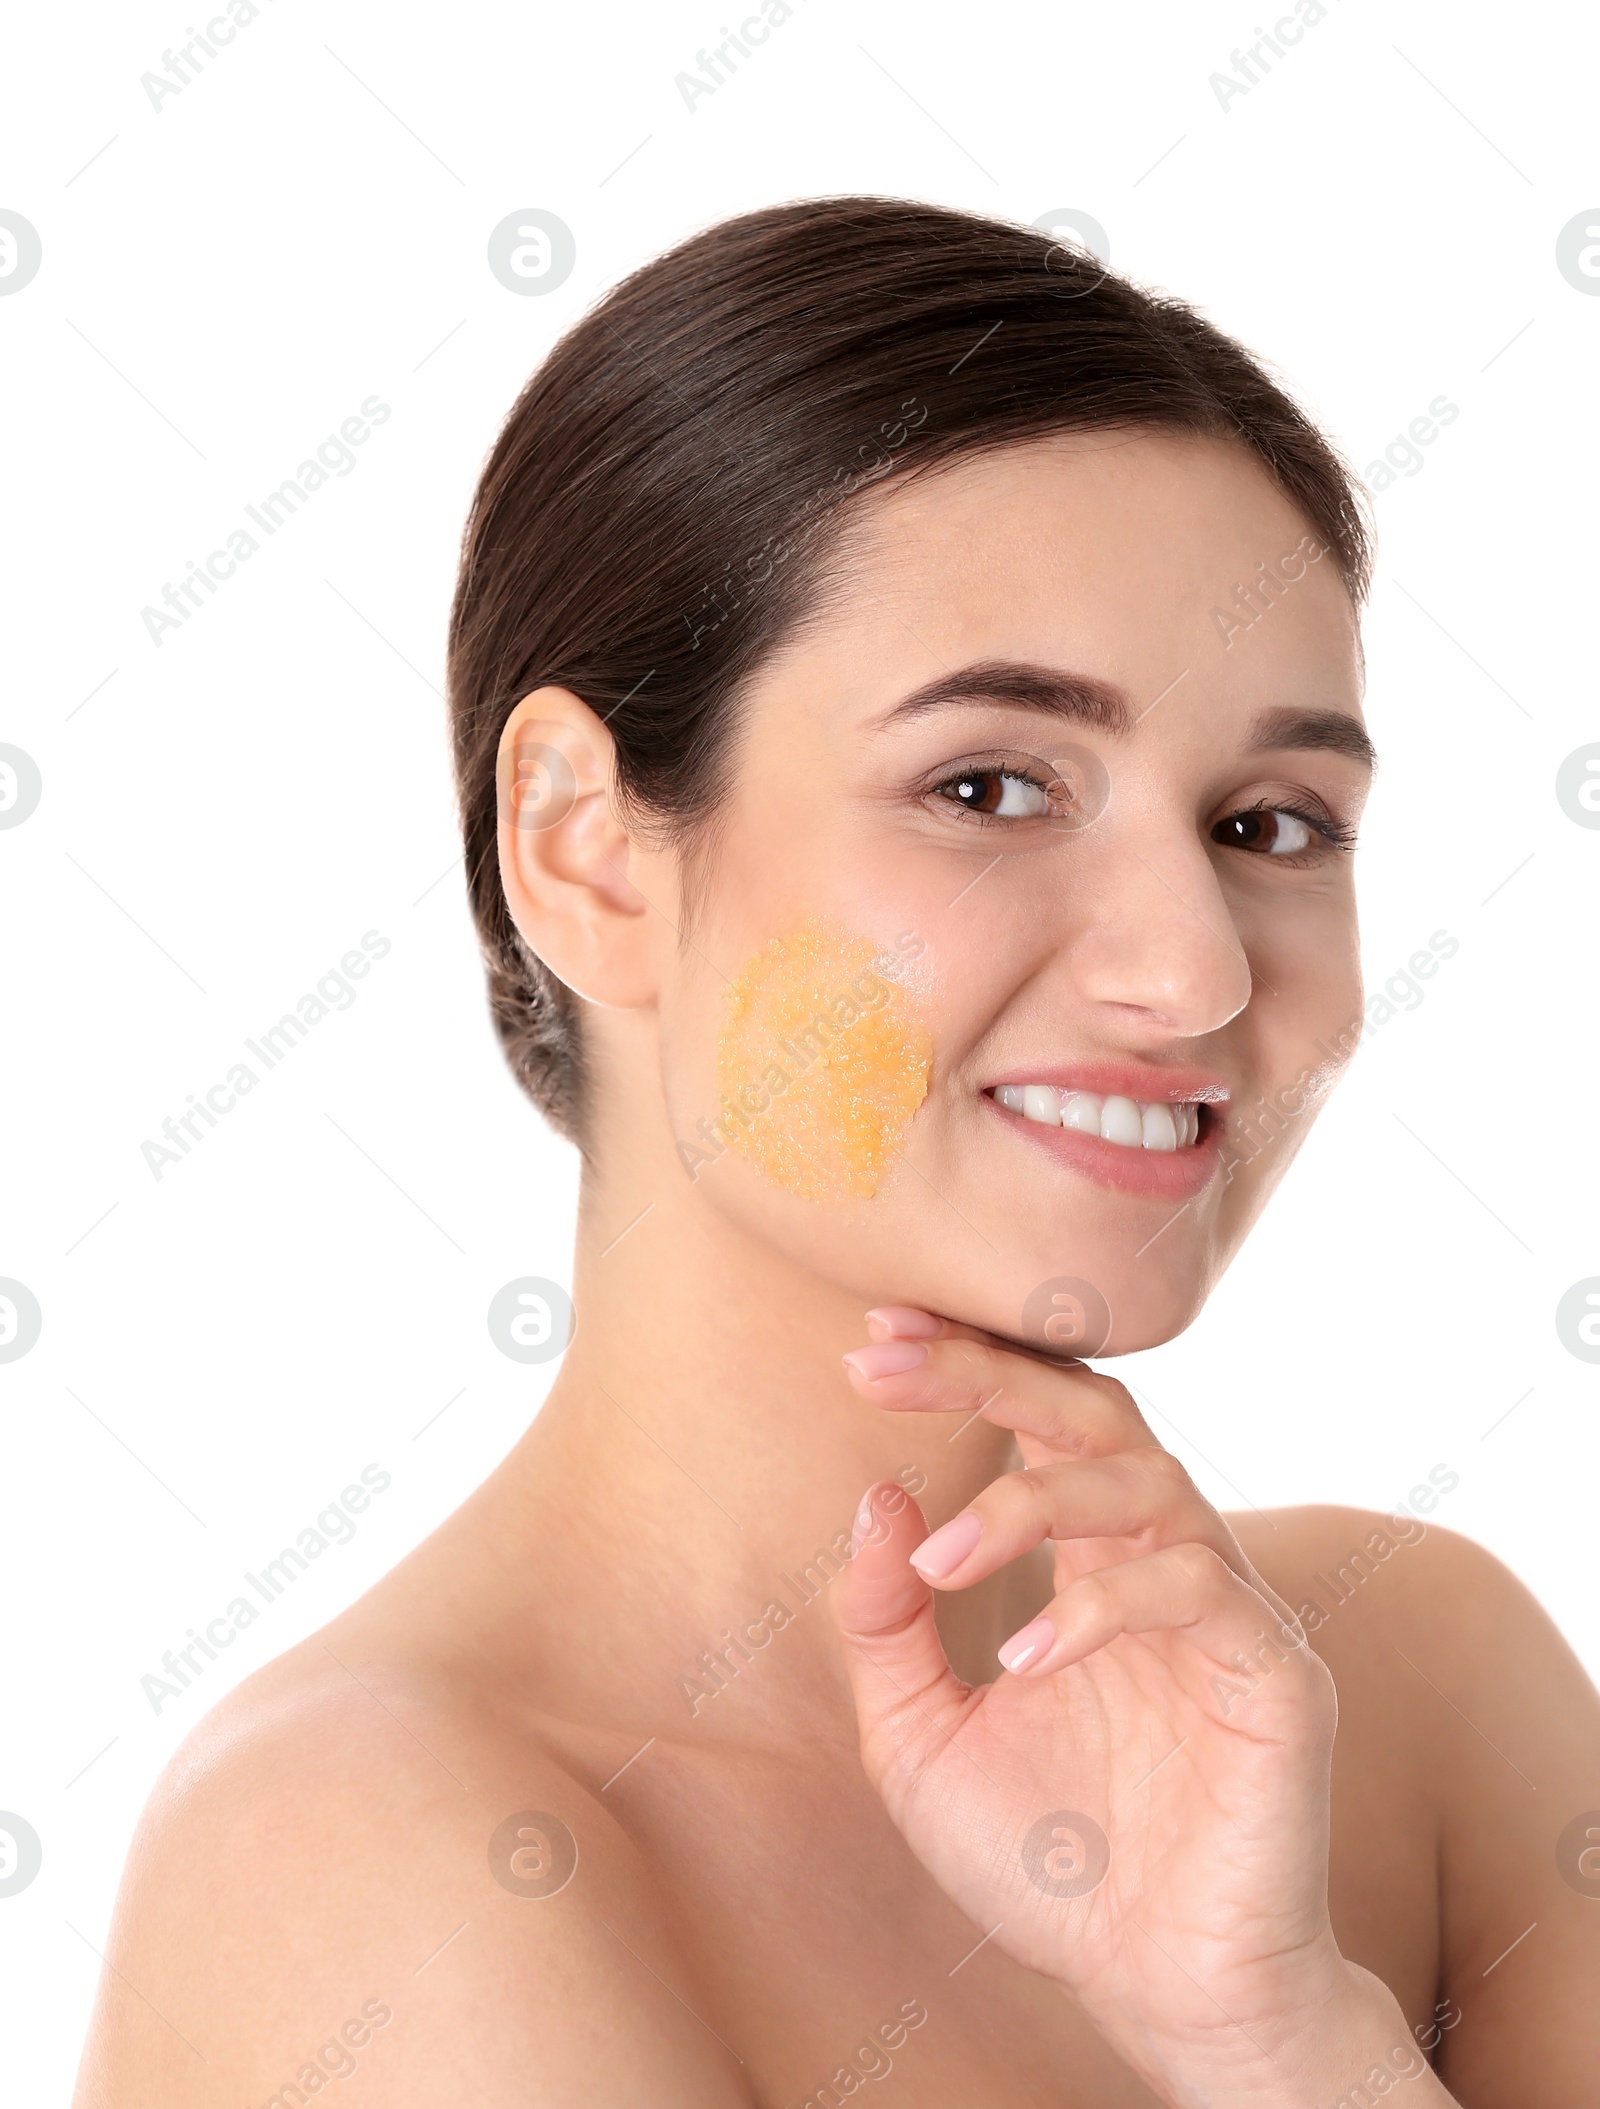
(1150, 1081)
(1168, 1175)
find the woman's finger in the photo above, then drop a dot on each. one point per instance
(907, 1696)
(1142, 1493)
(1073, 1410)
(1188, 1589)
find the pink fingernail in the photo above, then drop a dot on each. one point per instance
(902, 1321)
(888, 1358)
(1030, 1645)
(863, 1522)
(942, 1552)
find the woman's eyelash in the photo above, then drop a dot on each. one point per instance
(1022, 769)
(1338, 834)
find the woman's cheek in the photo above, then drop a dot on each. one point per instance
(822, 1061)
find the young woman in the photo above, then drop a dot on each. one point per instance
(907, 698)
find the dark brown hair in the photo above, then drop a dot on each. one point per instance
(657, 513)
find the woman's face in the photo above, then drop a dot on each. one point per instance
(1045, 817)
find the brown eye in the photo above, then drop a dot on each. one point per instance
(998, 791)
(1272, 833)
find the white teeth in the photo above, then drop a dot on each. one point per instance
(1159, 1129)
(1132, 1123)
(1081, 1109)
(1120, 1122)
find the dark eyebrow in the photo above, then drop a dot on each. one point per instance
(1080, 697)
(1087, 700)
(1331, 730)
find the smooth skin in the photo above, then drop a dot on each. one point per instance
(806, 1863)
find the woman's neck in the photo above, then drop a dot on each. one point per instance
(698, 1462)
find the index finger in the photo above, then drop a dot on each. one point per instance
(920, 1363)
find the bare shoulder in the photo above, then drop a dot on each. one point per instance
(1457, 1689)
(353, 1866)
(1393, 1572)
(1434, 1623)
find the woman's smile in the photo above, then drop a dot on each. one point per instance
(1141, 1130)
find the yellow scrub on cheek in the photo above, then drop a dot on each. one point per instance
(821, 1064)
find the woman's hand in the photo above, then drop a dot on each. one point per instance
(1138, 1806)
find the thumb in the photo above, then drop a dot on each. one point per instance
(908, 1699)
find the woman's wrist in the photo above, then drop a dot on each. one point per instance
(1352, 2045)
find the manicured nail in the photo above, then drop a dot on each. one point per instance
(901, 1321)
(943, 1551)
(887, 1358)
(863, 1522)
(1030, 1645)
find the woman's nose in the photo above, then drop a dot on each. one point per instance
(1157, 944)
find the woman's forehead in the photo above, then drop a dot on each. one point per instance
(1135, 566)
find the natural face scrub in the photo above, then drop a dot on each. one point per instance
(824, 1061)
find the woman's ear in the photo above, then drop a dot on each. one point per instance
(565, 855)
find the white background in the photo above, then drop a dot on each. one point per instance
(223, 815)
